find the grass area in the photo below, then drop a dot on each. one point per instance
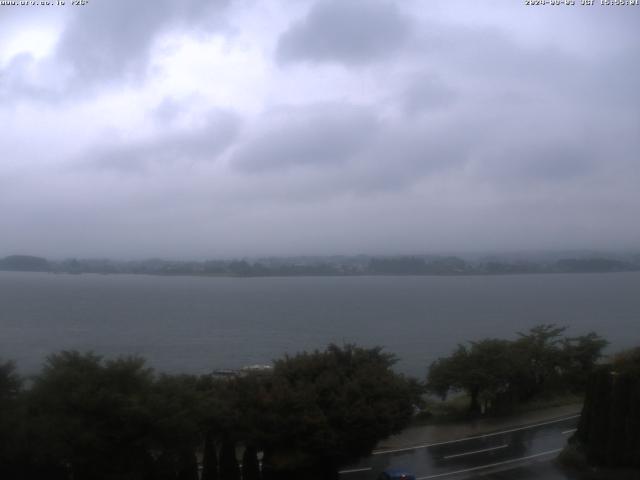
(443, 411)
(550, 401)
(456, 408)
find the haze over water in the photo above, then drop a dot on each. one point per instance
(197, 324)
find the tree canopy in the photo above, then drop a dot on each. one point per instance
(500, 373)
(335, 405)
(86, 417)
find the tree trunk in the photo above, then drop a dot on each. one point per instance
(250, 468)
(188, 466)
(210, 459)
(165, 467)
(608, 428)
(474, 404)
(229, 469)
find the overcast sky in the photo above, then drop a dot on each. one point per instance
(217, 128)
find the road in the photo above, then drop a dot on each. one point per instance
(520, 449)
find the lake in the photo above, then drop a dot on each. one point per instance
(197, 324)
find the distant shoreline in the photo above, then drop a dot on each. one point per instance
(336, 266)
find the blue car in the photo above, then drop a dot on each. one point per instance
(396, 474)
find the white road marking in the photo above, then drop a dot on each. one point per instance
(567, 432)
(476, 451)
(355, 470)
(490, 465)
(427, 445)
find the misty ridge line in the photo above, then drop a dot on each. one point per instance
(358, 265)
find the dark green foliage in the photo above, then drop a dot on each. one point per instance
(85, 418)
(483, 370)
(10, 383)
(609, 428)
(327, 408)
(91, 416)
(12, 433)
(628, 362)
(24, 263)
(176, 407)
(593, 425)
(580, 355)
(538, 359)
(497, 374)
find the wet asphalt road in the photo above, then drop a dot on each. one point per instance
(523, 451)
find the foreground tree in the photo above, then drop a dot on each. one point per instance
(89, 418)
(483, 371)
(12, 422)
(580, 357)
(176, 406)
(496, 374)
(324, 409)
(209, 458)
(92, 419)
(538, 358)
(609, 429)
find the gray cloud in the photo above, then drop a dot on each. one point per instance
(345, 151)
(204, 142)
(447, 124)
(318, 135)
(426, 93)
(554, 161)
(105, 43)
(113, 38)
(346, 31)
(26, 78)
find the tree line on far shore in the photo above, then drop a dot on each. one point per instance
(327, 266)
(85, 417)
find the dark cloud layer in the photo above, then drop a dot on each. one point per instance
(346, 31)
(113, 39)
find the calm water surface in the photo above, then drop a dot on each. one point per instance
(194, 324)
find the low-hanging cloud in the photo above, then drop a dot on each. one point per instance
(204, 142)
(318, 136)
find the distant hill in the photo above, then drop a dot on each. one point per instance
(25, 263)
(583, 265)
